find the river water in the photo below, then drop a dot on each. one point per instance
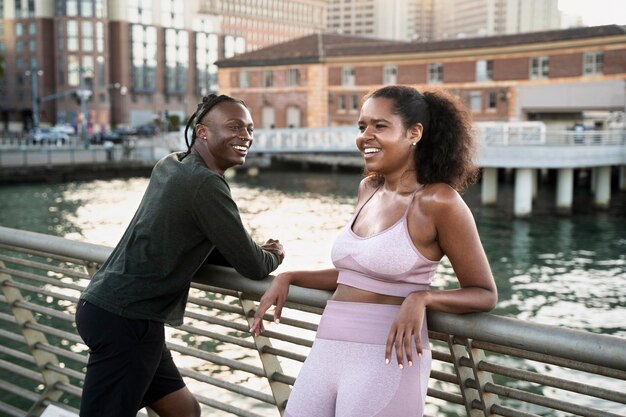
(558, 270)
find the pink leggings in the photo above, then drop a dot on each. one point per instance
(345, 374)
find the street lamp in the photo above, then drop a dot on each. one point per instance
(34, 83)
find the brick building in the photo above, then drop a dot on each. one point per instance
(140, 60)
(562, 77)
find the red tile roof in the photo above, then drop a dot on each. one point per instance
(314, 48)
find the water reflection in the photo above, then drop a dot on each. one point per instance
(568, 271)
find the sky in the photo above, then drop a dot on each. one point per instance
(596, 12)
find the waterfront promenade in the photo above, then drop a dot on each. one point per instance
(525, 149)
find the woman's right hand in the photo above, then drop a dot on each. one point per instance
(276, 295)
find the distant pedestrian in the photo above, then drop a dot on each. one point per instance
(186, 213)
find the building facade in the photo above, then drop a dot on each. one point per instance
(561, 77)
(132, 61)
(266, 22)
(440, 19)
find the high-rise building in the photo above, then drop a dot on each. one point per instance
(387, 19)
(423, 20)
(266, 22)
(471, 18)
(131, 61)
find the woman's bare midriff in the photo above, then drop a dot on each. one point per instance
(355, 295)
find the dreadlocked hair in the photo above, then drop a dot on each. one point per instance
(208, 102)
(447, 149)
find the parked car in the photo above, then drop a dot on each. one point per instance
(42, 136)
(146, 130)
(103, 137)
(116, 136)
(125, 131)
(67, 129)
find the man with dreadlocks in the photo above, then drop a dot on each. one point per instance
(186, 213)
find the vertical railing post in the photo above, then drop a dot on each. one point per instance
(270, 362)
(33, 339)
(472, 381)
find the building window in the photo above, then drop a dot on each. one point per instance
(267, 117)
(233, 45)
(72, 35)
(71, 7)
(293, 77)
(206, 55)
(539, 67)
(243, 79)
(140, 11)
(176, 61)
(99, 37)
(493, 100)
(347, 77)
(86, 8)
(354, 103)
(484, 70)
(435, 73)
(268, 78)
(172, 13)
(475, 101)
(99, 8)
(342, 103)
(593, 63)
(101, 71)
(143, 58)
(73, 68)
(86, 34)
(390, 73)
(293, 117)
(19, 29)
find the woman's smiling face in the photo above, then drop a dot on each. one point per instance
(384, 142)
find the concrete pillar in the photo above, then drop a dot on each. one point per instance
(594, 179)
(489, 186)
(622, 178)
(523, 192)
(535, 181)
(565, 190)
(603, 187)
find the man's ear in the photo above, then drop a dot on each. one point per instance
(201, 130)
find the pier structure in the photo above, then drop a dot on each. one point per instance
(524, 148)
(598, 152)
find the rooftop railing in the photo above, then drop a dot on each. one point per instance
(483, 365)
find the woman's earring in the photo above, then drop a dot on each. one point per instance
(414, 144)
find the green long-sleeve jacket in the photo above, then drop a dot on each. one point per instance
(186, 212)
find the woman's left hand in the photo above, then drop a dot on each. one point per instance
(406, 328)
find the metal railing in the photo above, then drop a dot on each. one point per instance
(483, 365)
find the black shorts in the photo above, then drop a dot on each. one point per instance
(129, 366)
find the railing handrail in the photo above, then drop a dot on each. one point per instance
(596, 349)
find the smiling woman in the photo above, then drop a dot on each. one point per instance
(186, 213)
(372, 350)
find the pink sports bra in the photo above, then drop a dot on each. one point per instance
(386, 263)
